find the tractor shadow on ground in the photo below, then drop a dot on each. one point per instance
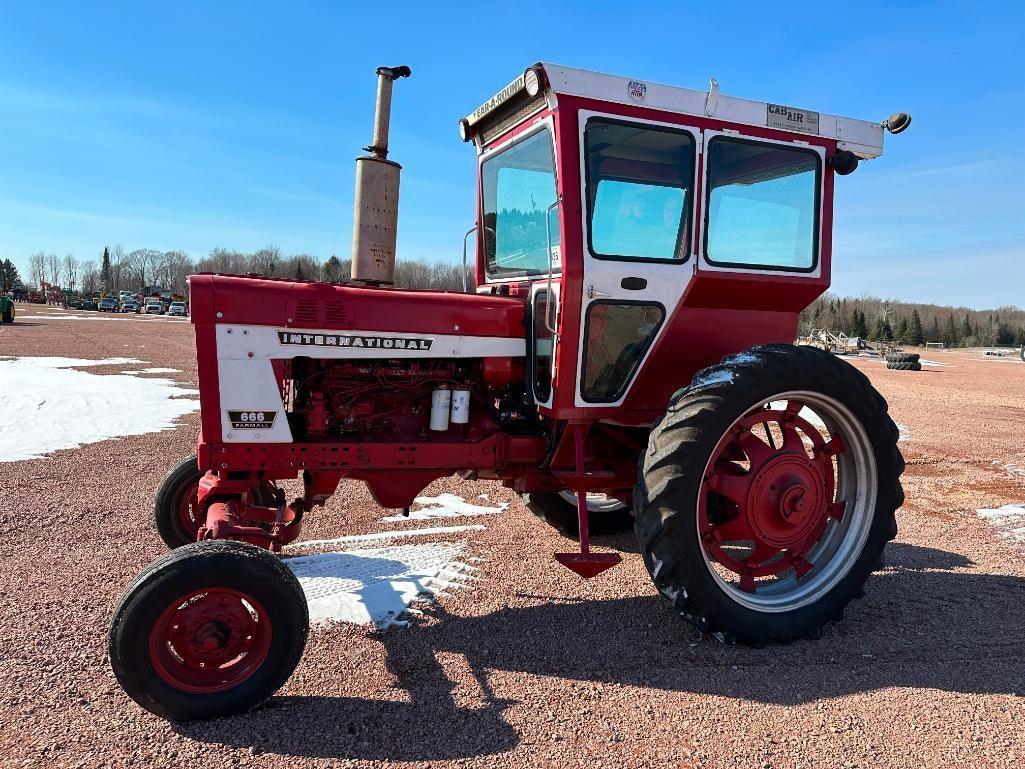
(924, 623)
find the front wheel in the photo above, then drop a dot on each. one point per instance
(767, 493)
(210, 629)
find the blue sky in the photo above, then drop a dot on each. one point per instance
(196, 125)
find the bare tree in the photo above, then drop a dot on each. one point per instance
(71, 271)
(143, 265)
(90, 275)
(118, 267)
(54, 267)
(37, 268)
(266, 261)
(178, 267)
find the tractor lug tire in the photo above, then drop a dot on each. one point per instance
(670, 478)
(247, 569)
(904, 366)
(902, 357)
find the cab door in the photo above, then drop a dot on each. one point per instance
(638, 204)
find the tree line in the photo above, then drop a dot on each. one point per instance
(913, 323)
(116, 269)
(867, 317)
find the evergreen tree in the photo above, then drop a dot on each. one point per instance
(333, 270)
(915, 334)
(950, 332)
(860, 324)
(9, 277)
(902, 329)
(105, 271)
(966, 329)
(934, 334)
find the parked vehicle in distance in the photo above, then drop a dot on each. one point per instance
(7, 311)
(88, 304)
(154, 308)
(130, 305)
(177, 308)
(107, 304)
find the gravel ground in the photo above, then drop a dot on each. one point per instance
(531, 666)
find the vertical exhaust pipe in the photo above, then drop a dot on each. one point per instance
(376, 214)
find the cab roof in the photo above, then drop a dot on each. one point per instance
(862, 137)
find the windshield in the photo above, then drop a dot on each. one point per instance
(518, 187)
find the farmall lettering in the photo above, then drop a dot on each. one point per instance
(352, 340)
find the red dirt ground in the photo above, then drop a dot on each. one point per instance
(531, 666)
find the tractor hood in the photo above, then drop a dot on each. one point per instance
(297, 304)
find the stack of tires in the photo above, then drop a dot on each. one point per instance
(903, 361)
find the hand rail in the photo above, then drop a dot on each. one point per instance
(548, 305)
(469, 232)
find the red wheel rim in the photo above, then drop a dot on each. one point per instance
(779, 505)
(188, 509)
(210, 640)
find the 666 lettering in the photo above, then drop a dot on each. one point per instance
(251, 420)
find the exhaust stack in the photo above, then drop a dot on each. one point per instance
(376, 215)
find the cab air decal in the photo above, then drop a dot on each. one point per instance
(251, 420)
(352, 340)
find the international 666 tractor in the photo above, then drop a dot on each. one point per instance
(624, 359)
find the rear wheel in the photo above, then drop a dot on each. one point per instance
(210, 629)
(606, 515)
(768, 492)
(176, 506)
(904, 365)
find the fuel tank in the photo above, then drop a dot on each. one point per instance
(286, 303)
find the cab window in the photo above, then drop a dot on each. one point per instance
(762, 206)
(518, 187)
(639, 190)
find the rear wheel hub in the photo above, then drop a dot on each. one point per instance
(764, 519)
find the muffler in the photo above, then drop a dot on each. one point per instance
(376, 208)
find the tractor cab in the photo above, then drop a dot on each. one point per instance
(652, 229)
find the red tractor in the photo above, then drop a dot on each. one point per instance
(642, 255)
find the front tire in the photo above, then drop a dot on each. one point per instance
(767, 539)
(210, 629)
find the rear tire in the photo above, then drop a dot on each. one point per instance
(681, 522)
(905, 366)
(210, 629)
(902, 357)
(604, 517)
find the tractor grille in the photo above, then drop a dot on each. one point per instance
(334, 312)
(305, 312)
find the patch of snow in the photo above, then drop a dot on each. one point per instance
(378, 585)
(925, 362)
(1009, 521)
(1012, 470)
(445, 506)
(709, 377)
(46, 404)
(154, 371)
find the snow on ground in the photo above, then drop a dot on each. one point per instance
(377, 585)
(374, 578)
(46, 404)
(444, 506)
(154, 371)
(1008, 521)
